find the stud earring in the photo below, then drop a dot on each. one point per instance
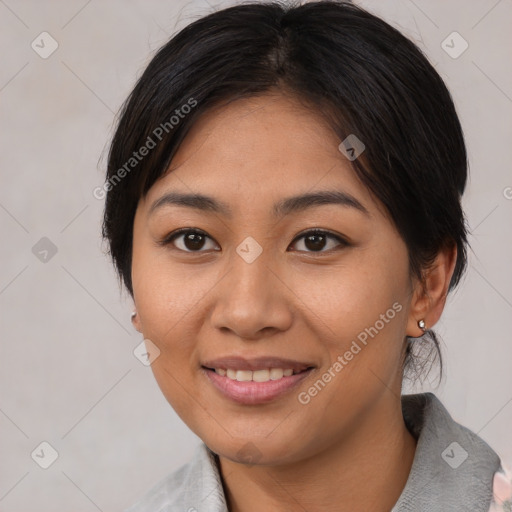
(422, 326)
(134, 314)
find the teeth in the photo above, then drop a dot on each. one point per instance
(243, 375)
(256, 376)
(261, 375)
(276, 373)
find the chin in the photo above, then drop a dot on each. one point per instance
(253, 450)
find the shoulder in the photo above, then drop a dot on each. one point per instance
(194, 487)
(453, 468)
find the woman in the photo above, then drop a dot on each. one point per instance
(283, 205)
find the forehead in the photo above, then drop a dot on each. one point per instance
(248, 127)
(258, 149)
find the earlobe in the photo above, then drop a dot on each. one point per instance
(136, 321)
(429, 297)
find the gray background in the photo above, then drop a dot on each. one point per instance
(68, 374)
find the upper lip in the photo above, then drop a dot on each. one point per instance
(255, 363)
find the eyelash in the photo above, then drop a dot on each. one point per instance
(169, 239)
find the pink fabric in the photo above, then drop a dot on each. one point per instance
(502, 491)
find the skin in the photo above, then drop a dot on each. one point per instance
(293, 302)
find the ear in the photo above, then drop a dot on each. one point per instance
(136, 321)
(429, 295)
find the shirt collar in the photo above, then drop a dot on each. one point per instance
(453, 468)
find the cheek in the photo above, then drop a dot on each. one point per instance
(359, 313)
(165, 292)
(343, 300)
(168, 299)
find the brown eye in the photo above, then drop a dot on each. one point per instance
(318, 240)
(189, 240)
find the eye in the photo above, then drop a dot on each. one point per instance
(317, 239)
(188, 240)
(195, 240)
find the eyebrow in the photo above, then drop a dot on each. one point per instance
(281, 208)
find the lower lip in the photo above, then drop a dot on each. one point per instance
(250, 392)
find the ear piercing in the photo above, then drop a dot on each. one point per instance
(134, 314)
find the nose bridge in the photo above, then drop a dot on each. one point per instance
(250, 271)
(251, 298)
(250, 275)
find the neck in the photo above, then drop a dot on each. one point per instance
(366, 470)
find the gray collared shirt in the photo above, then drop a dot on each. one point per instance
(452, 470)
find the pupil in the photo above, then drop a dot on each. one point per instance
(310, 242)
(194, 241)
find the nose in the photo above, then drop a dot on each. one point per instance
(252, 300)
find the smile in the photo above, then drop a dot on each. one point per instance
(249, 382)
(255, 376)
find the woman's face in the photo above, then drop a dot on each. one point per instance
(256, 290)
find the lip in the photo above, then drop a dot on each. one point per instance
(253, 393)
